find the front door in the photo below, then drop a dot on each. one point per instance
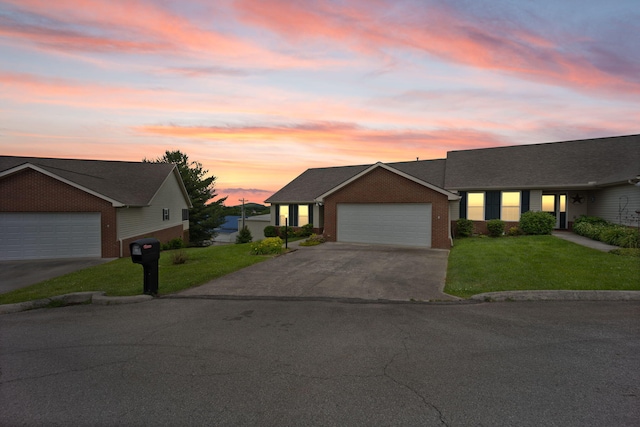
(556, 205)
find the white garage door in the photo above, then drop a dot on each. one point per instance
(49, 235)
(385, 223)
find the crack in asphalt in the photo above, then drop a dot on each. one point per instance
(443, 421)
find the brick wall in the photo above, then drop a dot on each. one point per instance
(383, 186)
(480, 227)
(32, 191)
(164, 236)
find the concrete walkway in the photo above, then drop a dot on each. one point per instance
(583, 241)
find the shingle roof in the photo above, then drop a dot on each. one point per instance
(566, 164)
(579, 163)
(315, 182)
(128, 183)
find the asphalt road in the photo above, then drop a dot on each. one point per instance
(273, 363)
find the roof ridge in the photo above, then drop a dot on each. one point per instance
(545, 143)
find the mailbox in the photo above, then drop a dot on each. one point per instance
(147, 253)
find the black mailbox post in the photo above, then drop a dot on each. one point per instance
(147, 253)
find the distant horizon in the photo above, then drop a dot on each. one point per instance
(260, 91)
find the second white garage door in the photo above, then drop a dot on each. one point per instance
(385, 223)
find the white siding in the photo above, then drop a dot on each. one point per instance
(616, 204)
(255, 225)
(137, 221)
(454, 210)
(535, 200)
(574, 210)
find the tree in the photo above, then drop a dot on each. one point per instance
(244, 235)
(206, 214)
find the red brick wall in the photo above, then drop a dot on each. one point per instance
(480, 227)
(164, 236)
(383, 186)
(32, 191)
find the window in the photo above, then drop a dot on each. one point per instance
(165, 214)
(510, 206)
(185, 214)
(283, 214)
(303, 215)
(475, 206)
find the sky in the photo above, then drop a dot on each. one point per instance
(258, 91)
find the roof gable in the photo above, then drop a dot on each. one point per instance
(389, 168)
(121, 183)
(313, 183)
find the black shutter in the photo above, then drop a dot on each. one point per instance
(310, 214)
(277, 210)
(293, 215)
(524, 201)
(463, 204)
(492, 205)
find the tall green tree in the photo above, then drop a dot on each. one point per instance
(206, 214)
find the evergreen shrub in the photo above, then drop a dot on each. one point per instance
(537, 223)
(464, 227)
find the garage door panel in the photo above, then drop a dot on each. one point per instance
(50, 235)
(385, 223)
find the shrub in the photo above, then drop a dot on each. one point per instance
(270, 231)
(286, 231)
(631, 239)
(305, 230)
(268, 246)
(537, 223)
(464, 227)
(514, 231)
(244, 235)
(313, 240)
(594, 220)
(179, 257)
(599, 229)
(495, 227)
(176, 243)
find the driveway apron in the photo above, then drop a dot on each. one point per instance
(340, 270)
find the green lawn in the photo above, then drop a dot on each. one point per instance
(123, 277)
(478, 265)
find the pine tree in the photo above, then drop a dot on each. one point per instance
(206, 214)
(244, 235)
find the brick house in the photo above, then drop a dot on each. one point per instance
(417, 203)
(67, 208)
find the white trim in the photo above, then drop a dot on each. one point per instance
(450, 195)
(24, 166)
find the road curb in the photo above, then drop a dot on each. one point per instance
(557, 296)
(348, 300)
(75, 298)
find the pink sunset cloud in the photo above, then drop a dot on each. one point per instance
(446, 33)
(259, 91)
(342, 138)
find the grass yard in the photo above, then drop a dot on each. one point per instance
(122, 277)
(478, 265)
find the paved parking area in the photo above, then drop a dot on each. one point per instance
(20, 274)
(340, 270)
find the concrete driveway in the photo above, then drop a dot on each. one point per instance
(20, 274)
(339, 270)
